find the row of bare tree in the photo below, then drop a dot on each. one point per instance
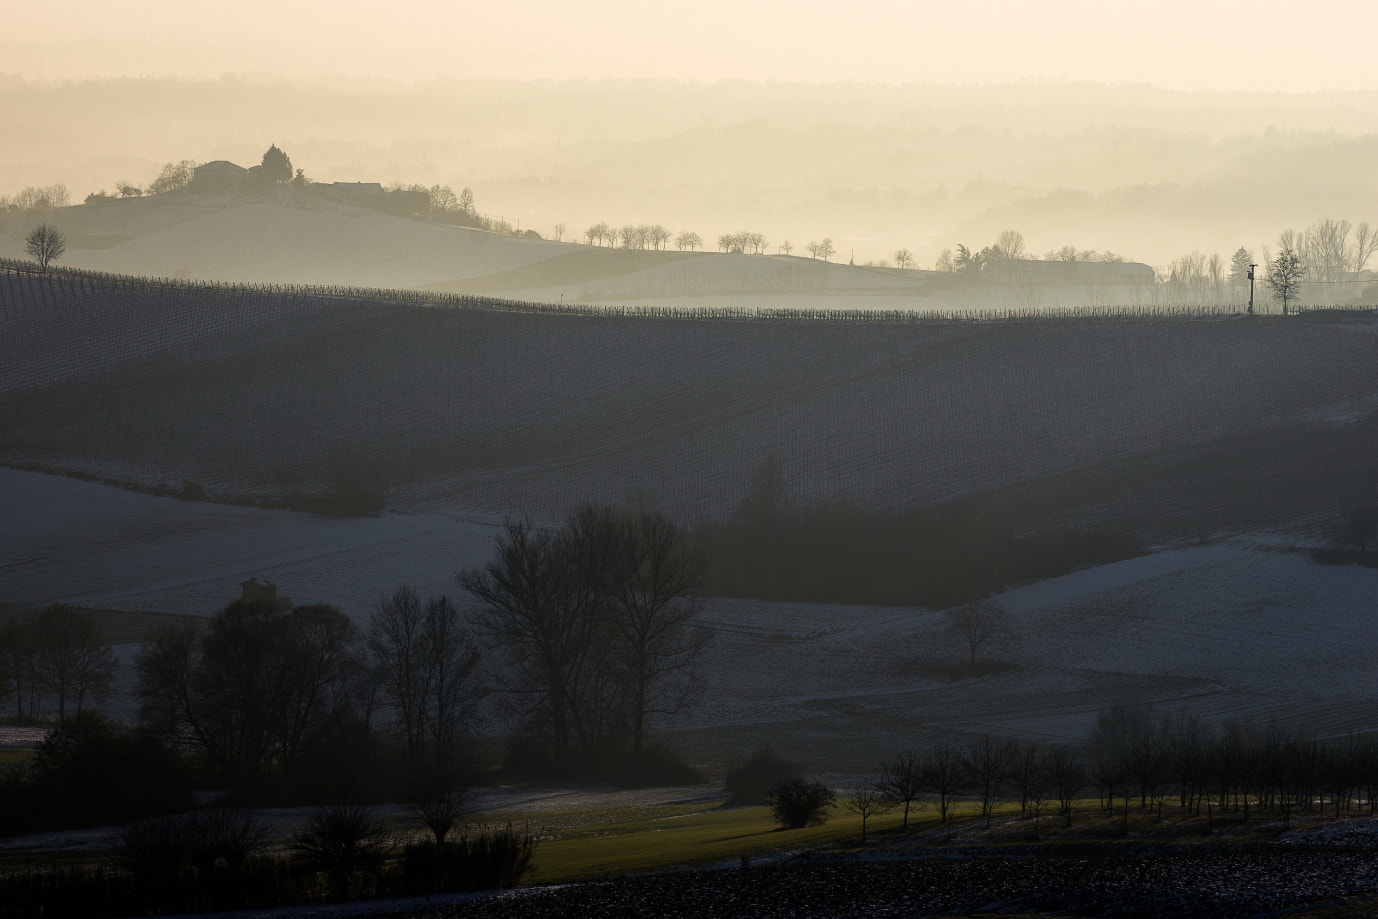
(1136, 754)
(59, 654)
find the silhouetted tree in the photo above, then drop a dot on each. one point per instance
(944, 776)
(1239, 266)
(259, 690)
(866, 802)
(277, 166)
(652, 575)
(1284, 276)
(798, 803)
(987, 763)
(73, 659)
(45, 243)
(902, 781)
(1067, 772)
(688, 240)
(977, 624)
(539, 610)
(439, 798)
(342, 839)
(425, 667)
(903, 258)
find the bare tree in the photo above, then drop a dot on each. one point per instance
(866, 802)
(72, 657)
(260, 689)
(825, 249)
(1284, 276)
(1067, 772)
(653, 575)
(45, 243)
(1010, 244)
(944, 776)
(904, 258)
(42, 197)
(688, 240)
(987, 764)
(786, 247)
(559, 232)
(657, 235)
(173, 176)
(439, 799)
(540, 611)
(977, 624)
(902, 782)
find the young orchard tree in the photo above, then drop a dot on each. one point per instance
(945, 777)
(866, 802)
(45, 243)
(902, 782)
(1067, 773)
(987, 766)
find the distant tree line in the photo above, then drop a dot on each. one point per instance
(840, 552)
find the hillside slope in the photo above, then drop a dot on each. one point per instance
(1168, 428)
(1240, 629)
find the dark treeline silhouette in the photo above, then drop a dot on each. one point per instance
(839, 552)
(1145, 761)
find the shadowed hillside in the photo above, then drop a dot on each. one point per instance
(1169, 428)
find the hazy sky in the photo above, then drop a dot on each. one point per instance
(1180, 44)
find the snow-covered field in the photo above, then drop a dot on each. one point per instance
(1247, 628)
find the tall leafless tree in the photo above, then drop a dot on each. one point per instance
(45, 243)
(902, 782)
(1285, 274)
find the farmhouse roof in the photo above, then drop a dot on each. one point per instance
(221, 167)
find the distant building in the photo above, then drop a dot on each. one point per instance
(355, 189)
(217, 175)
(256, 591)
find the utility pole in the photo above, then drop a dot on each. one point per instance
(1251, 289)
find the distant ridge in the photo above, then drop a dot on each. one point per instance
(64, 282)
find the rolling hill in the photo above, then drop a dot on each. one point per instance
(1168, 428)
(1227, 443)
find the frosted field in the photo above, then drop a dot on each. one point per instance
(1247, 628)
(76, 542)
